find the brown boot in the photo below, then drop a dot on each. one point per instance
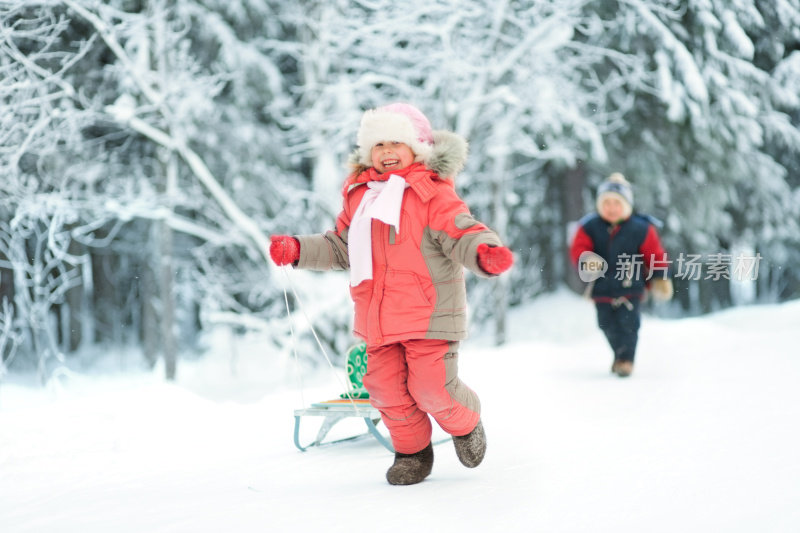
(410, 468)
(471, 447)
(624, 368)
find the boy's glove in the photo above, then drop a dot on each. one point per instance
(494, 259)
(661, 289)
(284, 250)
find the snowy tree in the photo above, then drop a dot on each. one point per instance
(714, 135)
(508, 76)
(148, 148)
(40, 125)
(139, 105)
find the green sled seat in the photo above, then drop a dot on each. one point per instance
(356, 368)
(353, 403)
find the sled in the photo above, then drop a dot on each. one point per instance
(354, 403)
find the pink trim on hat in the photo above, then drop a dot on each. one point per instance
(420, 122)
(399, 122)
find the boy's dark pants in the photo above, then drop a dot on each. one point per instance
(620, 323)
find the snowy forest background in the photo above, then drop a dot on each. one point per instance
(148, 149)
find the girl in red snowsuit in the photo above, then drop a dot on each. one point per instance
(406, 236)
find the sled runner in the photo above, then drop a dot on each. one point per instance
(354, 403)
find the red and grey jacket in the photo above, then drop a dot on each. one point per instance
(630, 248)
(417, 290)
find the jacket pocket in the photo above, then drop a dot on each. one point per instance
(361, 295)
(406, 307)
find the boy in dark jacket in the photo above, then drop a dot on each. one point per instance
(629, 245)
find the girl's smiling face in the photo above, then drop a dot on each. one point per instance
(389, 155)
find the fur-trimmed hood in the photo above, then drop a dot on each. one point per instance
(447, 158)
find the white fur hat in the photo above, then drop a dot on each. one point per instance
(616, 185)
(398, 122)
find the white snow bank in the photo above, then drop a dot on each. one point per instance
(703, 437)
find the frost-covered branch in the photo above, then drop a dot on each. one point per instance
(684, 62)
(201, 171)
(126, 114)
(9, 337)
(106, 33)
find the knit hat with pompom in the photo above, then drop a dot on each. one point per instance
(398, 122)
(616, 186)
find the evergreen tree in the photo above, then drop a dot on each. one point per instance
(714, 124)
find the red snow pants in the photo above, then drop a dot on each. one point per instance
(411, 379)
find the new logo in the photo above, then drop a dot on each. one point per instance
(591, 267)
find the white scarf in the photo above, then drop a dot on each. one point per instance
(382, 201)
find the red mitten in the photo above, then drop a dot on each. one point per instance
(284, 250)
(494, 259)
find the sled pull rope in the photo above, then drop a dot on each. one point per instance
(299, 374)
(316, 337)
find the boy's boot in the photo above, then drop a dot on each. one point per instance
(471, 447)
(410, 468)
(624, 368)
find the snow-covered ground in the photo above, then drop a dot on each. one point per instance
(704, 437)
